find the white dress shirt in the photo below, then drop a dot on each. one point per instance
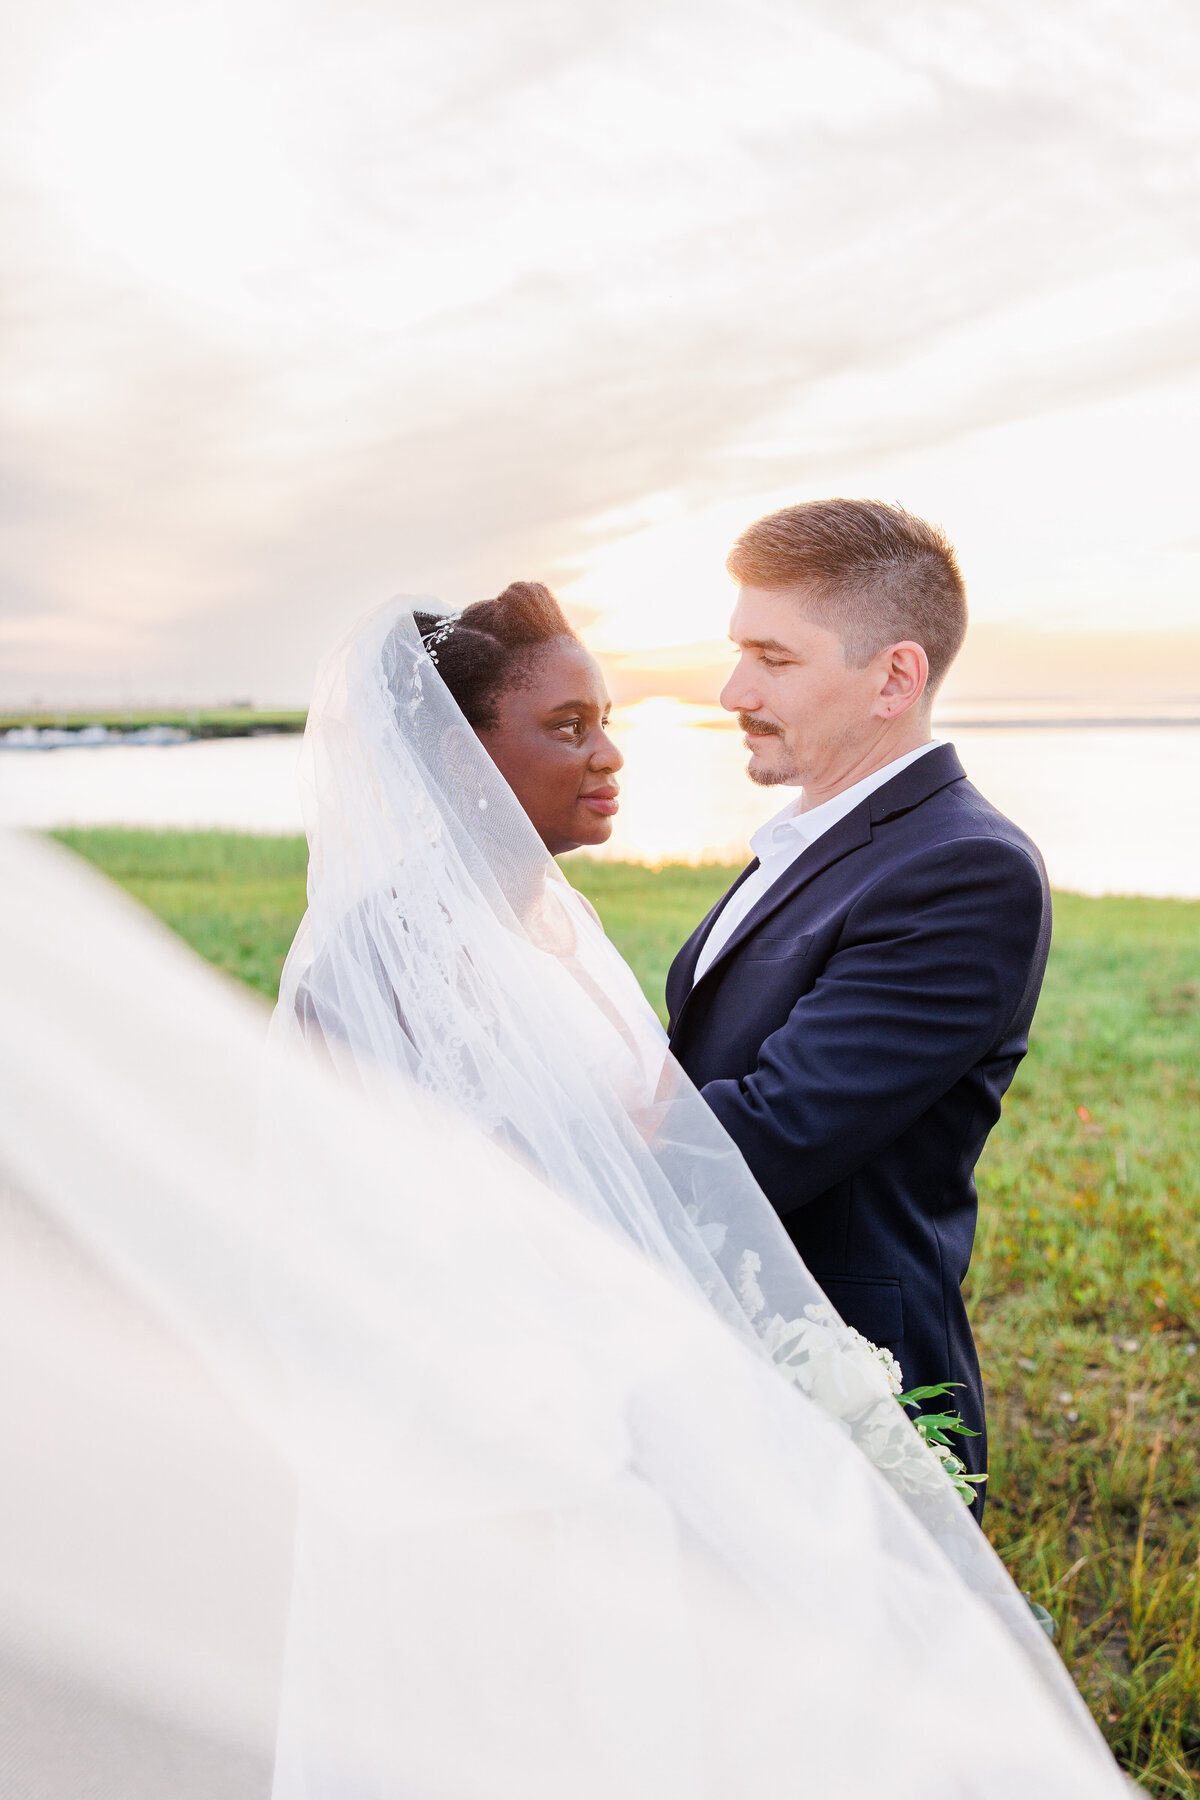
(780, 841)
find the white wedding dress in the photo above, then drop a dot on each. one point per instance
(589, 1501)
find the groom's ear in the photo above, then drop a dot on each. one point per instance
(903, 671)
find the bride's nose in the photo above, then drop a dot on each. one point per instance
(606, 757)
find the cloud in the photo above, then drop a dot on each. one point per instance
(303, 306)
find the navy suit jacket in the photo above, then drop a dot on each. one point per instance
(855, 1037)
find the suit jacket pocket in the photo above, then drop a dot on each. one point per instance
(793, 948)
(873, 1304)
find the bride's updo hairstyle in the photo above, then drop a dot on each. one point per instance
(490, 646)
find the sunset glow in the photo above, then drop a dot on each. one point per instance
(309, 308)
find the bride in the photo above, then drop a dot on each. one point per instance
(537, 701)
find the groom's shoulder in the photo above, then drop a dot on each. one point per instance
(933, 802)
(969, 814)
(958, 862)
(960, 825)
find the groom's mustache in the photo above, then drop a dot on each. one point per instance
(758, 727)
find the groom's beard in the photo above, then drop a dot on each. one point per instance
(783, 773)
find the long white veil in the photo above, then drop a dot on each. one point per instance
(561, 1532)
(443, 942)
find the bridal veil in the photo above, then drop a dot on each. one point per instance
(584, 1504)
(443, 941)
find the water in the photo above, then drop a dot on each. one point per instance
(1114, 809)
(240, 784)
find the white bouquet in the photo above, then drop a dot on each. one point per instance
(850, 1377)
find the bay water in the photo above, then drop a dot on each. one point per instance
(1115, 808)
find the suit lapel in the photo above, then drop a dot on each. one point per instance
(909, 788)
(848, 834)
(682, 971)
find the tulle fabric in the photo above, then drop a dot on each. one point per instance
(441, 941)
(562, 1530)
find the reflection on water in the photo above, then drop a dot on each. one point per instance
(242, 784)
(1114, 809)
(684, 792)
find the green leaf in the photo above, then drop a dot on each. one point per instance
(936, 1391)
(1047, 1621)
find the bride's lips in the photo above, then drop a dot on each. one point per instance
(602, 800)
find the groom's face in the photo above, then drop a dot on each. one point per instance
(806, 713)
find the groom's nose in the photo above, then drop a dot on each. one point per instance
(739, 694)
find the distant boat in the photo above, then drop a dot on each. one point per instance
(88, 737)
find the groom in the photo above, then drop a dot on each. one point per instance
(855, 1007)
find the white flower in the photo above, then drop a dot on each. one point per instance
(892, 1444)
(884, 1357)
(848, 1377)
(836, 1366)
(848, 1381)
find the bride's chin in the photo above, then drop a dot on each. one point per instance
(599, 833)
(588, 829)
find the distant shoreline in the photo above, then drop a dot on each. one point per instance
(207, 723)
(1099, 724)
(941, 726)
(197, 722)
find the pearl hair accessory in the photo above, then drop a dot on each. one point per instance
(439, 634)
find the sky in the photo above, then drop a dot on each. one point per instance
(303, 306)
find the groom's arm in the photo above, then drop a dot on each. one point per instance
(935, 961)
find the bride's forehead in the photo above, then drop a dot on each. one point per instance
(566, 671)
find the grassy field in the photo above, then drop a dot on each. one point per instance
(204, 722)
(1085, 1287)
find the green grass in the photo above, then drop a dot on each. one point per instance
(205, 722)
(649, 913)
(1086, 1292)
(236, 899)
(1085, 1286)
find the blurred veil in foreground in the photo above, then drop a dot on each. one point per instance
(560, 1529)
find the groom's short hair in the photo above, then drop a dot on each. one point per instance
(873, 573)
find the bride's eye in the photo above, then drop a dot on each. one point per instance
(572, 726)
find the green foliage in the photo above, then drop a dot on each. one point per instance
(1085, 1287)
(649, 913)
(236, 899)
(1085, 1291)
(204, 722)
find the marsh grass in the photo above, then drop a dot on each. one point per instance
(1085, 1285)
(234, 898)
(202, 722)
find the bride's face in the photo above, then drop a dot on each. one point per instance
(551, 744)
